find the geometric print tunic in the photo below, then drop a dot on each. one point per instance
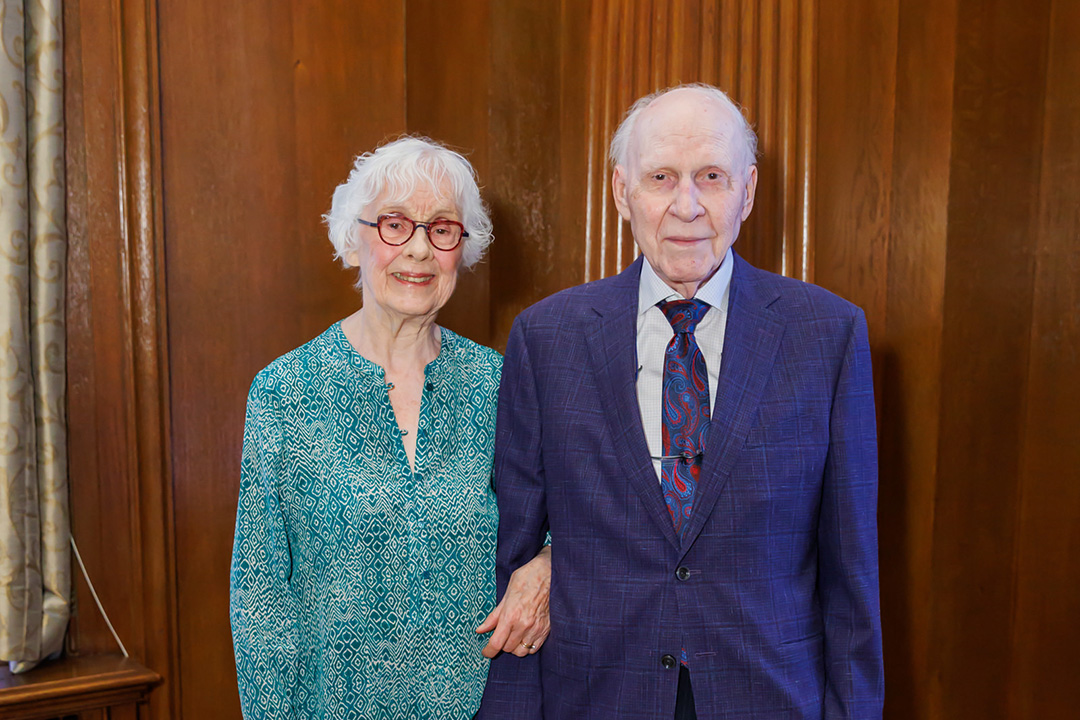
(357, 582)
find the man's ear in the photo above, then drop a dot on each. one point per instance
(618, 191)
(751, 190)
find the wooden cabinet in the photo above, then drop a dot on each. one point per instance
(96, 687)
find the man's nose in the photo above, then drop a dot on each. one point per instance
(687, 205)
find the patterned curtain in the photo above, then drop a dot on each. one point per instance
(35, 561)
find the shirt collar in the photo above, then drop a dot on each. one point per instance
(651, 289)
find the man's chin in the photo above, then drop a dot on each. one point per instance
(696, 274)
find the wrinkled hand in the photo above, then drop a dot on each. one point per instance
(521, 617)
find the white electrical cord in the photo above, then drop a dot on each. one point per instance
(93, 592)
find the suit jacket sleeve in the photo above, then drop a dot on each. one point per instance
(847, 542)
(514, 687)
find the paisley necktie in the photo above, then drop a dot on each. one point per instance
(685, 410)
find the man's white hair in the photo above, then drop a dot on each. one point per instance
(620, 141)
(400, 167)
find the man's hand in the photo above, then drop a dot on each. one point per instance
(520, 620)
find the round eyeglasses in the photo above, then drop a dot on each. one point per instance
(396, 229)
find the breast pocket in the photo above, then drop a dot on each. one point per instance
(781, 462)
(790, 430)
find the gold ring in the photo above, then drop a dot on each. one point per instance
(528, 646)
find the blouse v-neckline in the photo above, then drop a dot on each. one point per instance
(434, 373)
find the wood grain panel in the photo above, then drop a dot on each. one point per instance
(298, 90)
(527, 259)
(144, 258)
(576, 158)
(909, 351)
(853, 151)
(118, 411)
(86, 686)
(761, 51)
(1046, 633)
(989, 289)
(96, 367)
(446, 98)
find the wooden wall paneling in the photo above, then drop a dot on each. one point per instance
(744, 88)
(447, 67)
(606, 107)
(709, 57)
(686, 26)
(234, 269)
(577, 161)
(856, 80)
(144, 243)
(727, 36)
(908, 353)
(628, 69)
(791, 148)
(763, 238)
(97, 480)
(118, 406)
(529, 259)
(346, 99)
(776, 70)
(1046, 632)
(263, 109)
(799, 245)
(595, 108)
(989, 295)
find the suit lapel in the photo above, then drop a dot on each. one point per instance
(613, 351)
(751, 340)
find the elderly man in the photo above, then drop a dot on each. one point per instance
(699, 437)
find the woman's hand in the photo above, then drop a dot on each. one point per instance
(520, 620)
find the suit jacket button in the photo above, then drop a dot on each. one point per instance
(668, 661)
(683, 573)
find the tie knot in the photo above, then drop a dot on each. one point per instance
(684, 315)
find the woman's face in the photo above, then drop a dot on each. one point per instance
(412, 280)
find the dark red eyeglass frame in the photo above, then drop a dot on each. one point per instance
(416, 224)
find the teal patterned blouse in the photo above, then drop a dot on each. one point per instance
(357, 583)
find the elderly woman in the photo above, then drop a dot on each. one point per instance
(365, 534)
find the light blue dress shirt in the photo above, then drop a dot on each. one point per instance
(654, 333)
(356, 582)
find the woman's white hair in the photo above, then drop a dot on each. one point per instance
(400, 167)
(620, 141)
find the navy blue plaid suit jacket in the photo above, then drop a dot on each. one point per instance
(779, 612)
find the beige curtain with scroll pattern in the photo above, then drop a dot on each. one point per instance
(35, 564)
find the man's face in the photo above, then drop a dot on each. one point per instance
(687, 186)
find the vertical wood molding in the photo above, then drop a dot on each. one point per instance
(762, 52)
(118, 377)
(143, 250)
